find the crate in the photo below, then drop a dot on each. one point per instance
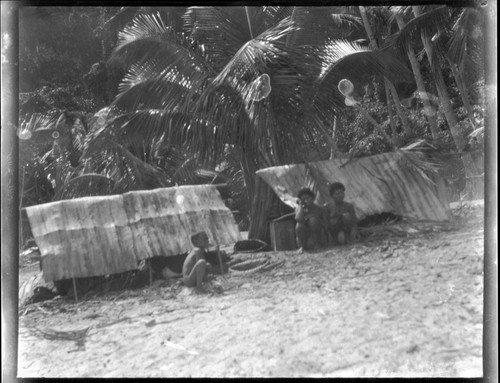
(283, 234)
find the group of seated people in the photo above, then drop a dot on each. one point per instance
(334, 223)
(317, 226)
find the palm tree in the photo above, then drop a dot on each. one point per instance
(428, 24)
(422, 92)
(390, 90)
(234, 77)
(461, 46)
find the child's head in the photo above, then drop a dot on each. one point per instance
(200, 239)
(306, 196)
(337, 191)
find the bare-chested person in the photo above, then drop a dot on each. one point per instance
(310, 221)
(195, 267)
(342, 222)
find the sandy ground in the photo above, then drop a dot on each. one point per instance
(402, 307)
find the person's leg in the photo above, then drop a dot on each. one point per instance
(208, 271)
(348, 226)
(301, 235)
(195, 277)
(336, 228)
(342, 229)
(315, 229)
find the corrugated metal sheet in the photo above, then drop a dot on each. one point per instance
(93, 236)
(375, 184)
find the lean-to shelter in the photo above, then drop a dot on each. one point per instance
(381, 183)
(94, 236)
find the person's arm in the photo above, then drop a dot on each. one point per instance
(299, 213)
(354, 230)
(324, 214)
(353, 214)
(332, 211)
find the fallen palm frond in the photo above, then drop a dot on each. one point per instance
(421, 166)
(245, 264)
(238, 258)
(78, 336)
(404, 229)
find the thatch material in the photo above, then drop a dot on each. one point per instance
(386, 182)
(94, 236)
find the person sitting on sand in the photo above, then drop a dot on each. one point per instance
(310, 221)
(342, 220)
(195, 267)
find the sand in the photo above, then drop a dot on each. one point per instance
(400, 307)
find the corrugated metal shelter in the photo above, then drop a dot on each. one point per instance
(94, 236)
(381, 183)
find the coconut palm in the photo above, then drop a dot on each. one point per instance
(422, 92)
(390, 90)
(234, 77)
(432, 26)
(461, 46)
(444, 42)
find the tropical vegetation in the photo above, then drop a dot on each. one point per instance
(117, 99)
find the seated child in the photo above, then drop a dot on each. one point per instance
(195, 267)
(310, 219)
(341, 216)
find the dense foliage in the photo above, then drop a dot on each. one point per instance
(190, 95)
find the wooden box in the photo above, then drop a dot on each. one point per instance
(283, 234)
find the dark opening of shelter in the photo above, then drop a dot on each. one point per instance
(379, 219)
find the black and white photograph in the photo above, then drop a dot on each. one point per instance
(249, 190)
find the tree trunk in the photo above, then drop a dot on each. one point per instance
(429, 110)
(262, 201)
(444, 97)
(291, 37)
(334, 149)
(389, 110)
(248, 168)
(401, 113)
(464, 94)
(387, 83)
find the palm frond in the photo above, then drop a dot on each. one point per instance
(426, 24)
(85, 185)
(403, 10)
(144, 27)
(136, 42)
(274, 14)
(35, 122)
(414, 157)
(254, 57)
(355, 61)
(138, 128)
(149, 40)
(278, 31)
(36, 136)
(420, 166)
(344, 20)
(171, 15)
(220, 117)
(127, 170)
(36, 188)
(288, 84)
(317, 24)
(264, 55)
(220, 30)
(460, 37)
(148, 86)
